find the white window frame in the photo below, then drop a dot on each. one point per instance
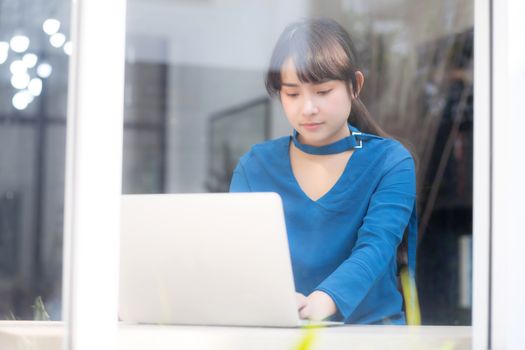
(94, 166)
(482, 177)
(507, 292)
(93, 174)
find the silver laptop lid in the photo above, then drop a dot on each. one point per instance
(213, 259)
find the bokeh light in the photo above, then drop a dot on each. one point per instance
(51, 26)
(19, 43)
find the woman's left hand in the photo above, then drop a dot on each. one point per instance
(318, 306)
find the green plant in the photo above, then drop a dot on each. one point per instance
(39, 310)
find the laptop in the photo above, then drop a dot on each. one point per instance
(206, 259)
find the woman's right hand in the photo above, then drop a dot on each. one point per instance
(301, 301)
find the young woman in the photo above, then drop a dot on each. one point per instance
(348, 189)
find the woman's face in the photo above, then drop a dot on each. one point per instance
(318, 112)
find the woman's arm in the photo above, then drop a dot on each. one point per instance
(239, 181)
(383, 226)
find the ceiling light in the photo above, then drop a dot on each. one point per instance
(44, 70)
(20, 81)
(57, 39)
(30, 60)
(4, 50)
(35, 86)
(21, 99)
(51, 26)
(19, 43)
(68, 48)
(18, 67)
(3, 57)
(4, 46)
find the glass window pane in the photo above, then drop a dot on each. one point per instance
(196, 101)
(33, 94)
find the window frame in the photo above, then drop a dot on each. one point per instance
(93, 174)
(98, 31)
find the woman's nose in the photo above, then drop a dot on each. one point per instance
(310, 107)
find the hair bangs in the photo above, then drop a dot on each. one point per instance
(317, 61)
(318, 51)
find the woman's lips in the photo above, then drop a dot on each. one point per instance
(311, 126)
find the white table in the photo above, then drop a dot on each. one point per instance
(30, 335)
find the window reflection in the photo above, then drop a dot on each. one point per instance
(195, 70)
(33, 94)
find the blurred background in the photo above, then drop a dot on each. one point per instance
(195, 102)
(34, 55)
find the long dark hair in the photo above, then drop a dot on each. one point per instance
(321, 50)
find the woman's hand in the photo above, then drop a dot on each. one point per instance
(301, 300)
(317, 306)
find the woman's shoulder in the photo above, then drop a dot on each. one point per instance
(389, 150)
(266, 150)
(393, 147)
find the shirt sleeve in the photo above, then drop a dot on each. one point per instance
(383, 226)
(239, 181)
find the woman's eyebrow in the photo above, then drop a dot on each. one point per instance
(315, 84)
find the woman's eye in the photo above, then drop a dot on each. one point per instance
(324, 92)
(292, 95)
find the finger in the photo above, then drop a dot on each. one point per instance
(304, 313)
(300, 299)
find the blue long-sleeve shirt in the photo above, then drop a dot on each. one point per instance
(345, 243)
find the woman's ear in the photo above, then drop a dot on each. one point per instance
(360, 80)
